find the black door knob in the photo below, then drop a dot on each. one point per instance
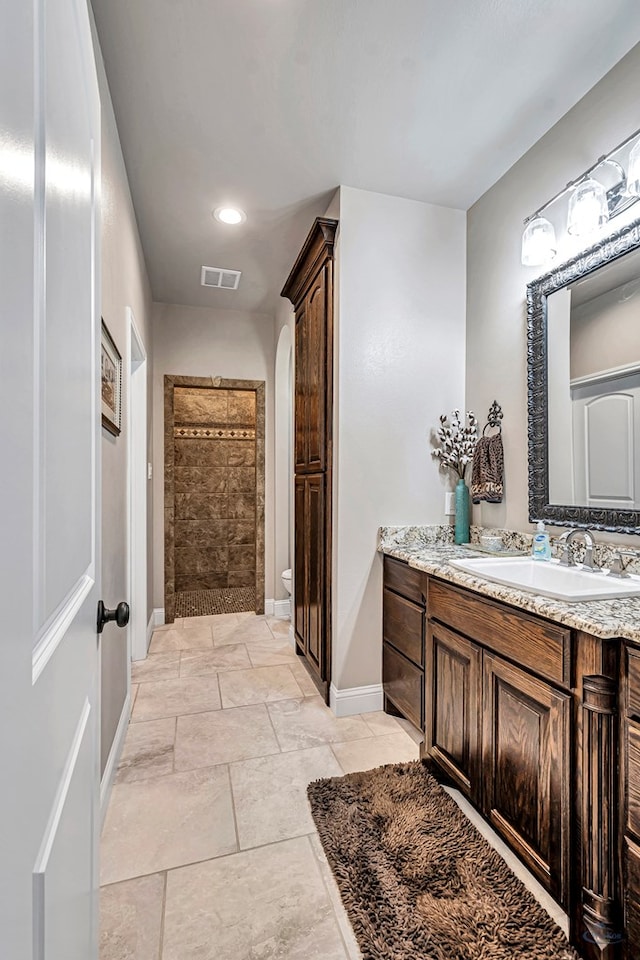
(120, 615)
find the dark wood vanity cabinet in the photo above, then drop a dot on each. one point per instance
(539, 726)
(403, 632)
(310, 289)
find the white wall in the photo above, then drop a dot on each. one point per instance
(124, 283)
(400, 335)
(197, 342)
(496, 280)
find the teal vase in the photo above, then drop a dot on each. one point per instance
(462, 513)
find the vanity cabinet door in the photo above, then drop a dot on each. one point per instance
(452, 706)
(526, 761)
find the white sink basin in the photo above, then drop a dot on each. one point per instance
(548, 579)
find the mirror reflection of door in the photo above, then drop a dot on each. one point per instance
(606, 447)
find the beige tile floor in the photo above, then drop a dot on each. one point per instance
(208, 849)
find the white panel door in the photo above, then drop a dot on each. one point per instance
(49, 498)
(606, 417)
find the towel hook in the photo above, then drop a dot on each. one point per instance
(494, 418)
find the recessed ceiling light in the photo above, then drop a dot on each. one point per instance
(230, 215)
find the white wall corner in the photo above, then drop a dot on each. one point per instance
(158, 617)
(114, 757)
(348, 702)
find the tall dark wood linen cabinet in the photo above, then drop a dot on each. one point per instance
(310, 289)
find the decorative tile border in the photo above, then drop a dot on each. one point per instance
(215, 433)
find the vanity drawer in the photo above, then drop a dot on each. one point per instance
(403, 683)
(632, 731)
(532, 643)
(632, 898)
(633, 683)
(404, 579)
(403, 626)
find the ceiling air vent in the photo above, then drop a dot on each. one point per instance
(219, 278)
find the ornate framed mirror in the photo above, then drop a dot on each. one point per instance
(583, 381)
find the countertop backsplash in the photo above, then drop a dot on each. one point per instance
(413, 536)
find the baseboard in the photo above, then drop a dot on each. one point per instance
(158, 617)
(151, 627)
(278, 608)
(114, 757)
(346, 703)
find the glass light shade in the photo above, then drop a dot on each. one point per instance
(538, 242)
(588, 208)
(633, 172)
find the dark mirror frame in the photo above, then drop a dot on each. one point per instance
(606, 251)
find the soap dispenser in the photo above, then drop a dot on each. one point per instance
(541, 548)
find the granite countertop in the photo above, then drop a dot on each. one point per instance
(602, 618)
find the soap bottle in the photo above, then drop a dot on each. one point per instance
(541, 548)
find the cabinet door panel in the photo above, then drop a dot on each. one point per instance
(301, 417)
(315, 307)
(526, 764)
(633, 777)
(633, 683)
(301, 589)
(632, 899)
(316, 580)
(452, 682)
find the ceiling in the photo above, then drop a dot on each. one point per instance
(271, 104)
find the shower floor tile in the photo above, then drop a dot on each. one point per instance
(205, 603)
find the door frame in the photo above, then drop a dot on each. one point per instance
(219, 383)
(137, 479)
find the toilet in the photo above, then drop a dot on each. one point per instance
(286, 580)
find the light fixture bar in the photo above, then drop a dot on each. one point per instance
(583, 176)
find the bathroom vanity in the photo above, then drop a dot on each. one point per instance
(531, 708)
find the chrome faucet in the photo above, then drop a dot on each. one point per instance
(618, 566)
(566, 540)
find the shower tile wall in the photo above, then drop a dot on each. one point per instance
(215, 488)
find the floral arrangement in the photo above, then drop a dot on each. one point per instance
(457, 441)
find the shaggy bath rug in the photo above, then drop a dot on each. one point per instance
(417, 879)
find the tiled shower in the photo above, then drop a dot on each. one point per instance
(214, 436)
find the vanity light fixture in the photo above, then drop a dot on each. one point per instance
(230, 215)
(591, 205)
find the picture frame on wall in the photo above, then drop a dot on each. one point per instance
(110, 383)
